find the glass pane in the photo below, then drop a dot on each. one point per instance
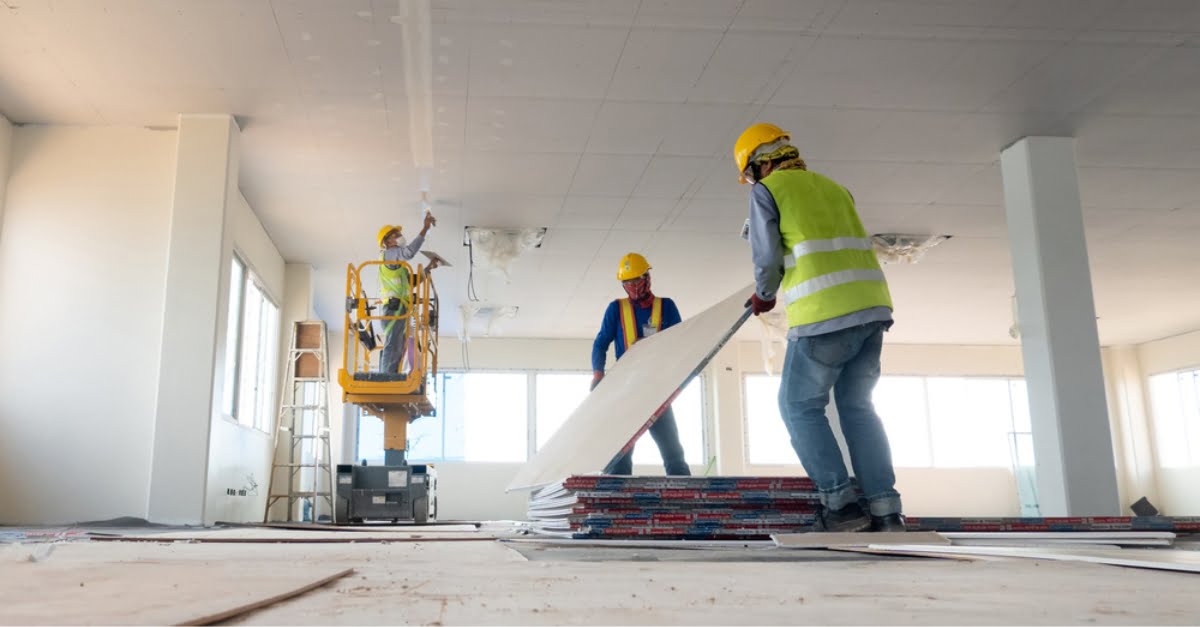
(1019, 393)
(248, 378)
(558, 395)
(900, 403)
(269, 350)
(970, 419)
(482, 417)
(1166, 399)
(1189, 384)
(370, 438)
(689, 418)
(232, 335)
(767, 439)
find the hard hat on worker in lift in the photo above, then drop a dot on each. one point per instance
(386, 230)
(632, 266)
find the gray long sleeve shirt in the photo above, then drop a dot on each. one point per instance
(767, 252)
(405, 252)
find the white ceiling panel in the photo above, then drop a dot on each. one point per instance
(672, 177)
(1130, 188)
(516, 173)
(703, 129)
(1173, 88)
(1135, 141)
(1070, 78)
(725, 77)
(535, 62)
(608, 175)
(784, 14)
(558, 12)
(590, 212)
(511, 210)
(644, 214)
(1174, 16)
(632, 127)
(529, 125)
(662, 65)
(686, 14)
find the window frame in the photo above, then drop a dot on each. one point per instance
(263, 409)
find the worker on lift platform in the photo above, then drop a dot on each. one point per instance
(395, 289)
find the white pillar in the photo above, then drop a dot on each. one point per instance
(6, 136)
(205, 179)
(1071, 437)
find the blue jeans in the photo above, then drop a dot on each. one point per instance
(666, 436)
(847, 362)
(395, 342)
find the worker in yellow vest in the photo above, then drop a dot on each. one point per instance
(810, 249)
(626, 321)
(395, 289)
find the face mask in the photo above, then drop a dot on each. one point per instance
(637, 290)
(401, 242)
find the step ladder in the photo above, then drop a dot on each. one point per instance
(303, 473)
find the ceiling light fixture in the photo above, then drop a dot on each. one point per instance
(904, 247)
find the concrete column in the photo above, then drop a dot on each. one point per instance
(6, 136)
(205, 181)
(1071, 436)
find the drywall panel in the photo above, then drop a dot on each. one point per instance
(633, 389)
(82, 276)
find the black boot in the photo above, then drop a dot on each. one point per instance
(849, 518)
(891, 522)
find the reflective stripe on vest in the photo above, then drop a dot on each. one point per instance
(831, 270)
(629, 321)
(393, 283)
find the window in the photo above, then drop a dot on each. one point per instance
(251, 349)
(490, 416)
(1175, 400)
(943, 422)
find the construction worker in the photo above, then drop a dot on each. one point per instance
(810, 249)
(395, 289)
(626, 321)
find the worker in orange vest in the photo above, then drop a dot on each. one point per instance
(626, 321)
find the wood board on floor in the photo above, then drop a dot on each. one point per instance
(1048, 538)
(69, 588)
(823, 540)
(1158, 559)
(635, 387)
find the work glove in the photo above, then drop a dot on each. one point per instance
(760, 306)
(596, 376)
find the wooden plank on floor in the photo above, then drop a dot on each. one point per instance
(234, 612)
(164, 538)
(822, 540)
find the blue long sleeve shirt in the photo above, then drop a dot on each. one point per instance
(611, 330)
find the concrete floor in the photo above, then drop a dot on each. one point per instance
(486, 582)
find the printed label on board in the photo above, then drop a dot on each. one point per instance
(379, 500)
(344, 479)
(397, 478)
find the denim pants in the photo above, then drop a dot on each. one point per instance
(666, 436)
(395, 342)
(847, 362)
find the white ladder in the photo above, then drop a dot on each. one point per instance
(304, 422)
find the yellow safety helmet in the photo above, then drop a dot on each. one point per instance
(632, 266)
(749, 141)
(386, 230)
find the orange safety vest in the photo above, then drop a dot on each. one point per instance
(629, 322)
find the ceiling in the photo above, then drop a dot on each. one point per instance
(611, 121)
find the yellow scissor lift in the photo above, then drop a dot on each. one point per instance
(396, 490)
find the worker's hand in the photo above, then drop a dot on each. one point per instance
(430, 221)
(760, 306)
(596, 376)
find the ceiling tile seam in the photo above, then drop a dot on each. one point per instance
(713, 54)
(591, 130)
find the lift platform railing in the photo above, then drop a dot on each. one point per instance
(360, 383)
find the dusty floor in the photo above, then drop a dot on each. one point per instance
(487, 582)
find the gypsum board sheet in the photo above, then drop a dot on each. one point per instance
(1158, 559)
(1018, 538)
(643, 381)
(282, 540)
(821, 540)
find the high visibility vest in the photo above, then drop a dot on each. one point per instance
(830, 269)
(629, 321)
(394, 284)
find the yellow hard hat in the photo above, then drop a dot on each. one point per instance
(386, 230)
(750, 140)
(632, 266)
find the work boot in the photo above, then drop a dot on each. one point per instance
(890, 522)
(849, 518)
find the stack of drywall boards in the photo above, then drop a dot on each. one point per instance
(678, 508)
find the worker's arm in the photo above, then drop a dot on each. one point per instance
(766, 244)
(670, 314)
(606, 336)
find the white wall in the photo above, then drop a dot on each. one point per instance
(240, 456)
(82, 279)
(1177, 491)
